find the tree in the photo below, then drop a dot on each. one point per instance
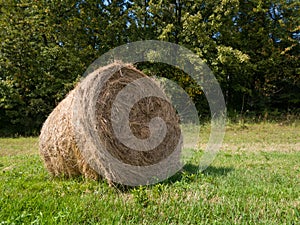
(46, 47)
(251, 45)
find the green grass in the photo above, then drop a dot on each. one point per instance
(255, 179)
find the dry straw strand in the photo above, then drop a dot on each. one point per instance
(78, 136)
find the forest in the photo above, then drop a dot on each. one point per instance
(252, 47)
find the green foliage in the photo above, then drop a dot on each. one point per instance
(36, 72)
(251, 46)
(45, 48)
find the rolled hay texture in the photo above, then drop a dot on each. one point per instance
(116, 124)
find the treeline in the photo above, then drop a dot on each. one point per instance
(252, 46)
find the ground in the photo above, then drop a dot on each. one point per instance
(255, 179)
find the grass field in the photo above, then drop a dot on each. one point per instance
(255, 179)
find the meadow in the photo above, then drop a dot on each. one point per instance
(255, 179)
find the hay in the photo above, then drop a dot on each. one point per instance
(79, 136)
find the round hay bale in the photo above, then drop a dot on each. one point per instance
(116, 124)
